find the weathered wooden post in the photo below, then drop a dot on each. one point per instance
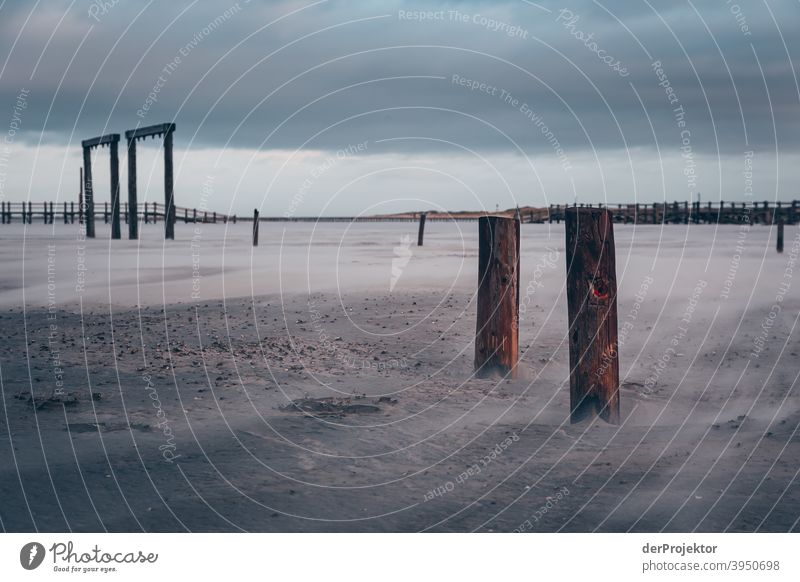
(421, 234)
(88, 197)
(497, 327)
(169, 195)
(655, 212)
(592, 309)
(115, 228)
(80, 199)
(779, 246)
(255, 227)
(133, 204)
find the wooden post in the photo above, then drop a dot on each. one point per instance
(497, 327)
(779, 246)
(88, 197)
(105, 212)
(234, 219)
(421, 234)
(169, 195)
(115, 228)
(80, 200)
(255, 227)
(133, 204)
(685, 213)
(194, 215)
(592, 308)
(154, 213)
(185, 216)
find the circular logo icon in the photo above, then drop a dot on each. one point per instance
(31, 555)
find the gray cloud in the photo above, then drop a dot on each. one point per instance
(341, 72)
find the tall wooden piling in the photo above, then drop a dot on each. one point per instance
(255, 227)
(421, 234)
(88, 196)
(169, 197)
(115, 227)
(497, 327)
(779, 245)
(592, 309)
(80, 200)
(133, 204)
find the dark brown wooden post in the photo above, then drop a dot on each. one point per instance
(497, 328)
(185, 216)
(255, 227)
(105, 212)
(779, 246)
(169, 195)
(114, 150)
(155, 212)
(592, 307)
(421, 234)
(88, 197)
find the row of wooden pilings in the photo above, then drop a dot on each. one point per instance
(151, 212)
(691, 213)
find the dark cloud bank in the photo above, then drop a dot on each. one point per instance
(539, 78)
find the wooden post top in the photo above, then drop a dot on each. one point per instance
(150, 130)
(101, 140)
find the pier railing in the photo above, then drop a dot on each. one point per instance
(719, 212)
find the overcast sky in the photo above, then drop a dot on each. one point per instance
(341, 107)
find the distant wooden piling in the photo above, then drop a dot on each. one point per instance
(592, 309)
(255, 227)
(421, 234)
(779, 245)
(497, 327)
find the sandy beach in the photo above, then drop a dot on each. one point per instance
(323, 381)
